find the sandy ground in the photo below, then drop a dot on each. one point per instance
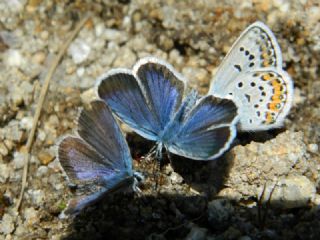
(195, 200)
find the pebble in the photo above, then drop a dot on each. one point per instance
(79, 50)
(219, 212)
(39, 57)
(231, 233)
(37, 196)
(26, 123)
(176, 178)
(4, 172)
(31, 216)
(18, 160)
(7, 224)
(197, 233)
(14, 58)
(88, 96)
(115, 35)
(45, 157)
(41, 171)
(125, 58)
(3, 149)
(313, 147)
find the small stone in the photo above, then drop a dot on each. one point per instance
(125, 58)
(4, 172)
(313, 147)
(41, 135)
(88, 96)
(219, 212)
(45, 157)
(18, 160)
(14, 58)
(38, 57)
(37, 196)
(231, 233)
(7, 224)
(244, 238)
(197, 233)
(114, 35)
(3, 149)
(176, 178)
(26, 123)
(80, 71)
(99, 29)
(41, 171)
(31, 216)
(79, 51)
(44, 35)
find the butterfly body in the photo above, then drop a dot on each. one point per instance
(251, 75)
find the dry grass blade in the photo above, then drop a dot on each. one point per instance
(42, 96)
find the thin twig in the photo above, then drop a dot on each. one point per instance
(42, 96)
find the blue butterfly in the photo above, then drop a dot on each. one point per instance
(98, 161)
(150, 99)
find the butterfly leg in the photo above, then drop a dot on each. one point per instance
(157, 165)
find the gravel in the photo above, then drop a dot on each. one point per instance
(275, 174)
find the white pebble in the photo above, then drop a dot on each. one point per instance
(6, 224)
(313, 147)
(18, 160)
(79, 51)
(26, 123)
(14, 58)
(41, 171)
(80, 71)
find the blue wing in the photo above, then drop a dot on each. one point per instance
(100, 130)
(146, 99)
(99, 161)
(162, 86)
(120, 90)
(207, 130)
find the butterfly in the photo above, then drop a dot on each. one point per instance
(153, 100)
(97, 161)
(252, 76)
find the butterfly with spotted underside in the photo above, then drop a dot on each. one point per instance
(252, 76)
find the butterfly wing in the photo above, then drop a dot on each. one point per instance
(93, 169)
(207, 130)
(255, 49)
(145, 99)
(121, 91)
(264, 97)
(163, 88)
